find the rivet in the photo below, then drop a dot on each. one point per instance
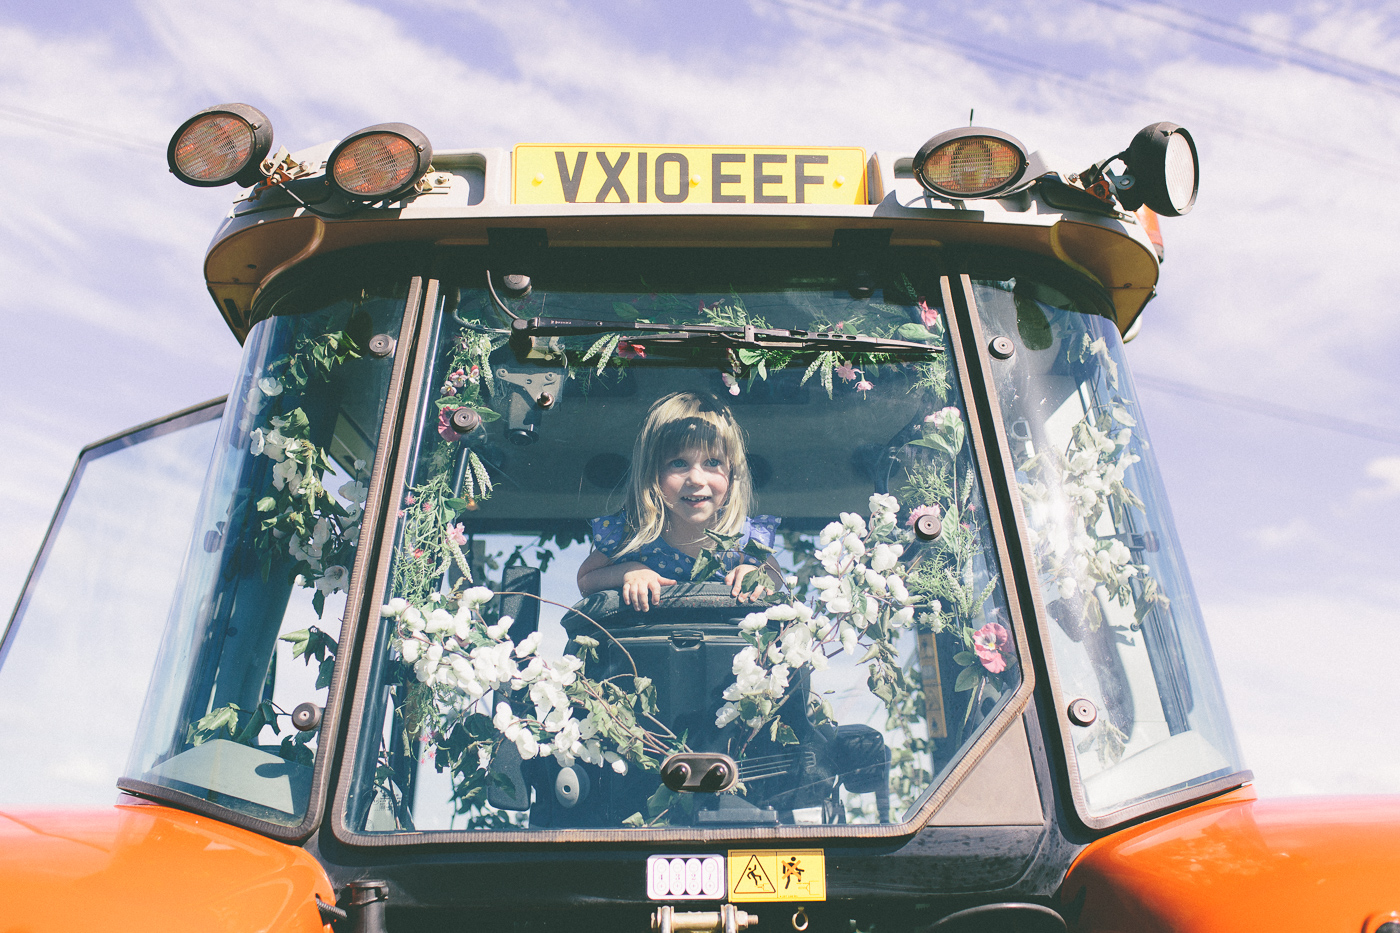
(1083, 712)
(840, 180)
(306, 716)
(928, 525)
(465, 420)
(1001, 347)
(695, 181)
(538, 179)
(381, 345)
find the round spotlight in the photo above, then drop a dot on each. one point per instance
(380, 163)
(971, 162)
(1162, 160)
(219, 145)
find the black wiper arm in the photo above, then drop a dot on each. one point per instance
(748, 337)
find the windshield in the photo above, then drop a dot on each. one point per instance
(581, 510)
(1129, 650)
(254, 626)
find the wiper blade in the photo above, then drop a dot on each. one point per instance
(522, 330)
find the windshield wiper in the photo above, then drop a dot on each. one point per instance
(522, 330)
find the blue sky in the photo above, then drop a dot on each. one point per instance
(1277, 295)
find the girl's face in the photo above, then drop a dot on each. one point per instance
(694, 485)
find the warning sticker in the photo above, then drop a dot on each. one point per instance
(777, 875)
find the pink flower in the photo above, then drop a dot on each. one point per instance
(427, 506)
(864, 385)
(920, 511)
(928, 315)
(847, 372)
(631, 351)
(445, 428)
(731, 382)
(989, 642)
(408, 499)
(456, 534)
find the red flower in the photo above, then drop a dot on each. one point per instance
(445, 429)
(928, 315)
(921, 510)
(631, 351)
(989, 642)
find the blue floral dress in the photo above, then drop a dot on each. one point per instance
(611, 530)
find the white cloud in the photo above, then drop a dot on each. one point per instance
(1387, 470)
(1274, 537)
(1310, 682)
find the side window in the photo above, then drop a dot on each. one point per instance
(1129, 649)
(77, 656)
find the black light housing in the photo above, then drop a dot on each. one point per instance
(1166, 173)
(970, 162)
(219, 145)
(379, 163)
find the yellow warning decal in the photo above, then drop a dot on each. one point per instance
(676, 175)
(777, 875)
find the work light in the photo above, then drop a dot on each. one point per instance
(380, 163)
(971, 162)
(1162, 162)
(219, 145)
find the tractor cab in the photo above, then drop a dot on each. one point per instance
(937, 638)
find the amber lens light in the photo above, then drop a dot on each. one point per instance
(375, 166)
(972, 166)
(214, 148)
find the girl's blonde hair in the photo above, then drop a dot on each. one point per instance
(678, 422)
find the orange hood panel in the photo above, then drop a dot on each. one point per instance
(1240, 863)
(142, 867)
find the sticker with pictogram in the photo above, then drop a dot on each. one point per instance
(685, 877)
(777, 875)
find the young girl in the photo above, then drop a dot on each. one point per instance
(689, 476)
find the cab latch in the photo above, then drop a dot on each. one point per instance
(728, 919)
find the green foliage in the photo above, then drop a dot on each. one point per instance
(313, 644)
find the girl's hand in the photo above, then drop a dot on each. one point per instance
(735, 578)
(642, 587)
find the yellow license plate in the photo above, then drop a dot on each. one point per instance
(777, 875)
(688, 175)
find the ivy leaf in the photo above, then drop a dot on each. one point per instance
(757, 550)
(726, 542)
(706, 565)
(318, 602)
(783, 734)
(967, 679)
(323, 678)
(965, 658)
(915, 332)
(214, 722)
(298, 640)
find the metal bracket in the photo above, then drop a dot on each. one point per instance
(727, 919)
